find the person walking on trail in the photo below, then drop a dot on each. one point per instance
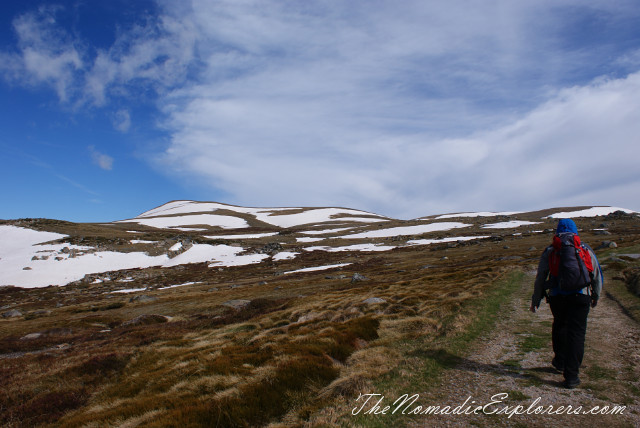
(570, 277)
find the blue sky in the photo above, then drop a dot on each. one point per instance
(110, 108)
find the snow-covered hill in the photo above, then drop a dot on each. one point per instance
(184, 232)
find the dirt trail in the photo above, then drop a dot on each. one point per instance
(515, 359)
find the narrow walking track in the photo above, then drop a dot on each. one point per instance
(515, 359)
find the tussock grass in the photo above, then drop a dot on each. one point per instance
(297, 355)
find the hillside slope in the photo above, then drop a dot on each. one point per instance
(265, 326)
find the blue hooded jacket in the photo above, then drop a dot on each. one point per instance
(566, 225)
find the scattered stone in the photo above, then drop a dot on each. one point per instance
(607, 244)
(13, 313)
(40, 312)
(213, 289)
(278, 288)
(143, 298)
(374, 301)
(32, 336)
(234, 286)
(358, 277)
(532, 248)
(602, 232)
(335, 276)
(65, 250)
(26, 268)
(444, 258)
(510, 258)
(263, 283)
(506, 247)
(146, 319)
(311, 316)
(271, 248)
(237, 304)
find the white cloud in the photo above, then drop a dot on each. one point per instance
(103, 161)
(400, 110)
(45, 55)
(122, 121)
(403, 109)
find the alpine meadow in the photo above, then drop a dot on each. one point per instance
(205, 314)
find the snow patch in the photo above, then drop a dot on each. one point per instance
(438, 241)
(407, 230)
(509, 224)
(223, 221)
(246, 236)
(313, 269)
(303, 239)
(285, 255)
(357, 247)
(478, 214)
(590, 212)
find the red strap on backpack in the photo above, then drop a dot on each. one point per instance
(554, 257)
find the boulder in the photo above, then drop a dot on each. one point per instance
(358, 277)
(13, 313)
(32, 336)
(143, 298)
(607, 244)
(146, 319)
(237, 303)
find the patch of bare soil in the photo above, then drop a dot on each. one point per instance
(511, 367)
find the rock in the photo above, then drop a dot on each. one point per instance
(607, 244)
(510, 258)
(309, 317)
(143, 298)
(13, 313)
(237, 304)
(335, 276)
(263, 283)
(602, 232)
(32, 336)
(374, 301)
(532, 248)
(358, 277)
(65, 250)
(146, 319)
(26, 268)
(271, 248)
(213, 289)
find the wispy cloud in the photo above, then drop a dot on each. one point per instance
(122, 120)
(403, 109)
(45, 54)
(103, 161)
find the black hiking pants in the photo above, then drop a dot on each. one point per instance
(569, 331)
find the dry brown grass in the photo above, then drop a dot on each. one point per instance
(305, 346)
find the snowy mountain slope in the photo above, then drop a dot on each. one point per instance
(185, 213)
(238, 236)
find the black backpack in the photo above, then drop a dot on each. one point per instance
(570, 265)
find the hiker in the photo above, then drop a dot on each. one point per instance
(570, 278)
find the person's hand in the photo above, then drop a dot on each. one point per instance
(533, 308)
(594, 302)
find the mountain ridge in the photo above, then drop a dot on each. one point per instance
(184, 232)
